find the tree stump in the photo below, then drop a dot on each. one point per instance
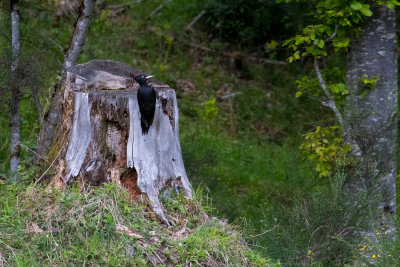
(100, 138)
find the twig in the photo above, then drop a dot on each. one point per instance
(331, 101)
(155, 11)
(309, 240)
(268, 61)
(332, 35)
(119, 6)
(32, 151)
(155, 253)
(53, 42)
(51, 165)
(4, 145)
(199, 46)
(248, 244)
(276, 225)
(199, 16)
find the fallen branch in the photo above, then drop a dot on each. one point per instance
(199, 16)
(267, 61)
(155, 11)
(231, 95)
(199, 46)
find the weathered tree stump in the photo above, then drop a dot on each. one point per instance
(100, 137)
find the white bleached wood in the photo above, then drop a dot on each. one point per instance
(157, 155)
(80, 136)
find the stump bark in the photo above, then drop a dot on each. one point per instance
(100, 137)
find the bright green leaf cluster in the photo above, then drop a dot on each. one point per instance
(325, 146)
(308, 86)
(338, 89)
(210, 110)
(336, 22)
(333, 77)
(368, 83)
(390, 3)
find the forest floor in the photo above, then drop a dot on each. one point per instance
(102, 226)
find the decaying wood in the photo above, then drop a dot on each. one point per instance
(101, 125)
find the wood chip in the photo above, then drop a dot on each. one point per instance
(122, 229)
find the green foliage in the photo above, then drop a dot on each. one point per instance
(210, 110)
(336, 21)
(309, 86)
(333, 77)
(325, 146)
(212, 238)
(101, 24)
(368, 83)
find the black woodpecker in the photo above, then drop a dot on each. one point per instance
(146, 97)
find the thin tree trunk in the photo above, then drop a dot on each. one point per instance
(80, 33)
(371, 121)
(15, 92)
(50, 121)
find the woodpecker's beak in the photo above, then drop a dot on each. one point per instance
(150, 76)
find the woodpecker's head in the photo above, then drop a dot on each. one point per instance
(141, 79)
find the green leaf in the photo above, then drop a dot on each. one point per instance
(321, 43)
(298, 94)
(356, 5)
(363, 93)
(366, 11)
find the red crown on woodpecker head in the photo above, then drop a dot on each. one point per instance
(136, 75)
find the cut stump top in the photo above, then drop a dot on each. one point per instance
(109, 77)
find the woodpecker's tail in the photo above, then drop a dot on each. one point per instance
(145, 126)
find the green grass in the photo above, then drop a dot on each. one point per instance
(101, 226)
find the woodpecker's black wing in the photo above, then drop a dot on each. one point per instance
(146, 97)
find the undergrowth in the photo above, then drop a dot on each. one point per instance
(102, 226)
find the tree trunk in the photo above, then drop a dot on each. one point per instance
(15, 92)
(371, 121)
(100, 137)
(51, 119)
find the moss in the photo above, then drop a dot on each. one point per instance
(54, 150)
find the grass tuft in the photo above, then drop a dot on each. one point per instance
(102, 226)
